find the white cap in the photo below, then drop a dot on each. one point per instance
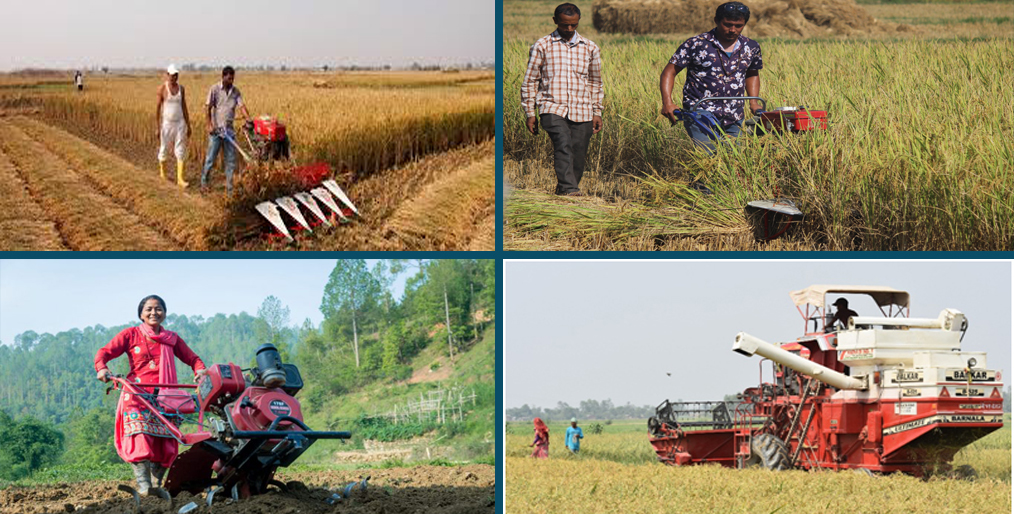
(172, 70)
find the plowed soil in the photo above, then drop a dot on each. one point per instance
(423, 489)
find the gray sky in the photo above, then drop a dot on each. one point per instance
(584, 330)
(117, 33)
(34, 294)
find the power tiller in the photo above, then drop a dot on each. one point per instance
(247, 427)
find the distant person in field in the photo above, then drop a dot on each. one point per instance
(563, 86)
(172, 120)
(574, 436)
(841, 315)
(79, 80)
(541, 442)
(141, 439)
(720, 62)
(223, 100)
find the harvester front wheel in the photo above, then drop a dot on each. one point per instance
(769, 451)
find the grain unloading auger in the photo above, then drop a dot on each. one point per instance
(885, 394)
(247, 427)
(321, 203)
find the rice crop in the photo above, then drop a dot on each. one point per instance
(86, 219)
(362, 122)
(368, 127)
(617, 471)
(917, 154)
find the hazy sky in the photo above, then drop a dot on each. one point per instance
(575, 331)
(57, 295)
(74, 33)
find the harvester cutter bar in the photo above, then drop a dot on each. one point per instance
(270, 211)
(307, 200)
(290, 207)
(332, 186)
(325, 197)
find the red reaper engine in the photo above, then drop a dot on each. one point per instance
(254, 426)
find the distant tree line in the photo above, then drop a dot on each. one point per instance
(588, 409)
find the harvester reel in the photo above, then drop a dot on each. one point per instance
(770, 452)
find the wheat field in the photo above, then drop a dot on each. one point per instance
(86, 170)
(617, 471)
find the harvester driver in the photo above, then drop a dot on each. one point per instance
(173, 121)
(841, 315)
(223, 99)
(720, 62)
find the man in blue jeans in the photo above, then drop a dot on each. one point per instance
(720, 62)
(223, 99)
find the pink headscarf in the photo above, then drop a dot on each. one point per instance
(166, 340)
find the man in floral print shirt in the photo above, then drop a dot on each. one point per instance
(720, 62)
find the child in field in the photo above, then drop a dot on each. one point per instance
(541, 442)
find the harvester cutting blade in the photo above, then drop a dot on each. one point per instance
(270, 211)
(310, 203)
(332, 186)
(292, 208)
(324, 196)
(771, 219)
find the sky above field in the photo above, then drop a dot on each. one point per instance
(57, 295)
(71, 34)
(576, 331)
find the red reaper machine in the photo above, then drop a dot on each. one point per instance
(247, 427)
(883, 394)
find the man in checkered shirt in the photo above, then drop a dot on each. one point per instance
(564, 81)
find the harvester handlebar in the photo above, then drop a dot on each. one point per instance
(764, 105)
(272, 433)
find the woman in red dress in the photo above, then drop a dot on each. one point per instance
(541, 442)
(141, 439)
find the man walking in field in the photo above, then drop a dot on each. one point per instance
(223, 99)
(564, 82)
(720, 62)
(574, 436)
(173, 121)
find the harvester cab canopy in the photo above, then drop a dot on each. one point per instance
(812, 305)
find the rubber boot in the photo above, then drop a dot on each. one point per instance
(142, 475)
(179, 179)
(157, 474)
(161, 169)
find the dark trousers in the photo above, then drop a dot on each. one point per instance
(570, 145)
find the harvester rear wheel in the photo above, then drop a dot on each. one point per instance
(769, 451)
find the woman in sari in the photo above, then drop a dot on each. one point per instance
(141, 439)
(541, 442)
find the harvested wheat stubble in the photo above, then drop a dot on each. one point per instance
(23, 223)
(186, 217)
(484, 239)
(532, 212)
(444, 214)
(379, 197)
(768, 18)
(86, 219)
